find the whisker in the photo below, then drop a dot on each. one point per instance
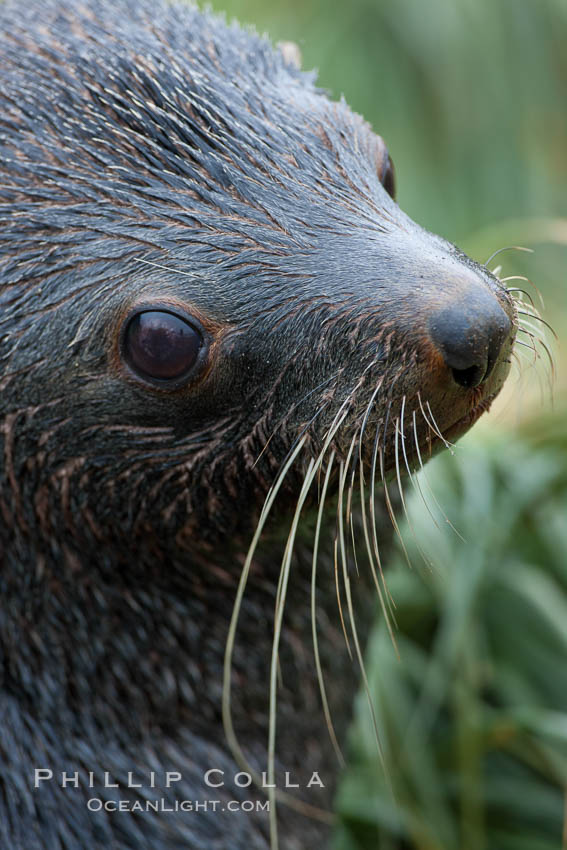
(375, 449)
(350, 524)
(429, 487)
(350, 492)
(182, 272)
(366, 684)
(330, 434)
(526, 280)
(293, 407)
(366, 415)
(434, 428)
(385, 610)
(538, 318)
(449, 445)
(397, 437)
(430, 428)
(342, 481)
(363, 668)
(230, 733)
(517, 299)
(529, 347)
(312, 470)
(413, 477)
(399, 479)
(537, 339)
(508, 248)
(278, 620)
(515, 277)
(301, 434)
(318, 667)
(525, 330)
(399, 432)
(341, 545)
(416, 441)
(390, 508)
(232, 740)
(338, 593)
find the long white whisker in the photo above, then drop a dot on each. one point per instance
(372, 502)
(344, 467)
(508, 248)
(385, 610)
(399, 437)
(413, 476)
(532, 314)
(295, 405)
(390, 508)
(232, 740)
(320, 678)
(365, 679)
(366, 415)
(432, 428)
(428, 485)
(278, 620)
(522, 277)
(437, 430)
(518, 299)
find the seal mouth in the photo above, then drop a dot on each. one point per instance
(462, 425)
(436, 438)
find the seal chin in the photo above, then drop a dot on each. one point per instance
(462, 425)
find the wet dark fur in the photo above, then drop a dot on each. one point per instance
(150, 154)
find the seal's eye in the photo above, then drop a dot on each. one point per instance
(389, 179)
(160, 345)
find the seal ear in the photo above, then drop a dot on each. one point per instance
(291, 53)
(388, 179)
(384, 165)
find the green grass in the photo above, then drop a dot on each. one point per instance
(473, 716)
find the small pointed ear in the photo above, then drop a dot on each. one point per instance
(291, 53)
(384, 165)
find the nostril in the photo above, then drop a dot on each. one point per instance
(471, 377)
(469, 335)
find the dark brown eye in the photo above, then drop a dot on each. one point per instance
(161, 346)
(389, 179)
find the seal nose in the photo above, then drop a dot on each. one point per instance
(469, 334)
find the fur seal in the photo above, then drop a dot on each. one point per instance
(208, 299)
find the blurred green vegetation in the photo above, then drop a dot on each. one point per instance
(473, 714)
(471, 98)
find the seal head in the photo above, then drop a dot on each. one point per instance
(183, 171)
(203, 273)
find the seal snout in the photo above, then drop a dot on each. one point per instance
(469, 334)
